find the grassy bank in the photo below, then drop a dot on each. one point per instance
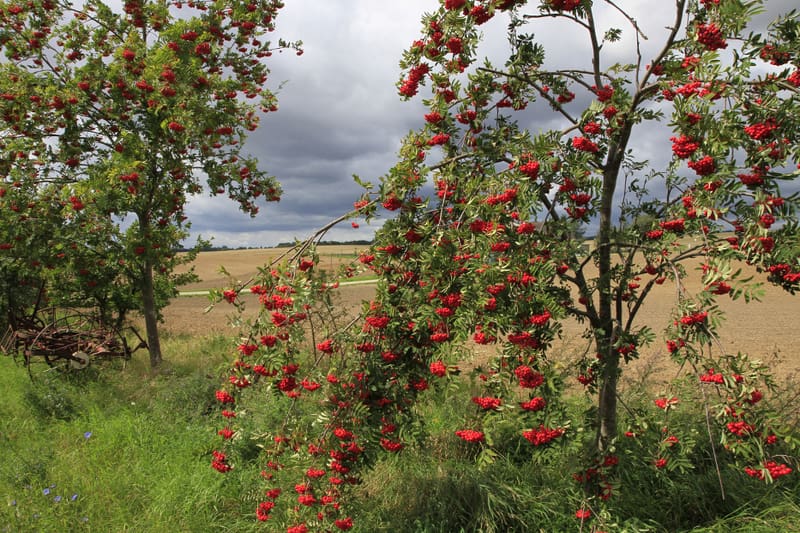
(119, 449)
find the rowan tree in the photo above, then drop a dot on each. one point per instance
(509, 200)
(484, 246)
(116, 117)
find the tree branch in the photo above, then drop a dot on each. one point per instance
(553, 102)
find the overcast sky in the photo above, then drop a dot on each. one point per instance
(340, 114)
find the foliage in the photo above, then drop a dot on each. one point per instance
(62, 473)
(122, 418)
(483, 249)
(111, 119)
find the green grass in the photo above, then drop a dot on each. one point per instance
(112, 450)
(120, 449)
(437, 487)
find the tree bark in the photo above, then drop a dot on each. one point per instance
(604, 339)
(151, 315)
(607, 402)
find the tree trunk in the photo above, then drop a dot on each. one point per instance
(151, 315)
(607, 403)
(604, 331)
(605, 328)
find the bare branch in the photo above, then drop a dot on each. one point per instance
(630, 19)
(596, 46)
(558, 15)
(670, 41)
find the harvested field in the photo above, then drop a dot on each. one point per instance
(768, 330)
(244, 264)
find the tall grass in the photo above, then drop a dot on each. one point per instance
(118, 448)
(113, 449)
(440, 487)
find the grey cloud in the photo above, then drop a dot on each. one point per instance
(340, 114)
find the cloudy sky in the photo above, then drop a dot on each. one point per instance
(340, 113)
